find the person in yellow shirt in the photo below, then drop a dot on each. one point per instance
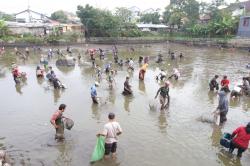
(143, 71)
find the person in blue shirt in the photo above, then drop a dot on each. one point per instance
(94, 93)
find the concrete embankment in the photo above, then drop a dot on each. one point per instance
(216, 42)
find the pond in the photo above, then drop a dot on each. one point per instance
(150, 137)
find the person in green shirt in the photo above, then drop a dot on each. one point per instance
(164, 95)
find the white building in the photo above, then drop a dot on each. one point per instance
(151, 27)
(30, 16)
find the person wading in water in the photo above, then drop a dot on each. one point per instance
(57, 122)
(164, 95)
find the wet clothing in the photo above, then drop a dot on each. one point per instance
(213, 84)
(110, 131)
(56, 83)
(164, 91)
(161, 75)
(16, 74)
(225, 85)
(246, 87)
(223, 106)
(93, 91)
(159, 59)
(107, 68)
(127, 88)
(164, 95)
(242, 137)
(143, 71)
(131, 65)
(39, 73)
(241, 140)
(140, 59)
(94, 94)
(176, 74)
(110, 148)
(58, 118)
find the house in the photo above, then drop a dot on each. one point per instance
(151, 27)
(204, 18)
(38, 24)
(30, 16)
(36, 29)
(239, 8)
(244, 27)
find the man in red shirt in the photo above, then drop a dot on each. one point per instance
(225, 84)
(240, 139)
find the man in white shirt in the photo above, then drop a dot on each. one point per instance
(131, 64)
(111, 130)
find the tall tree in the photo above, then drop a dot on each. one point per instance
(59, 16)
(97, 22)
(3, 28)
(124, 14)
(153, 18)
(6, 17)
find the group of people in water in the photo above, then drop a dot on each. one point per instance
(240, 137)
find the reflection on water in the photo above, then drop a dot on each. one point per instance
(228, 159)
(216, 135)
(142, 86)
(162, 119)
(127, 101)
(175, 132)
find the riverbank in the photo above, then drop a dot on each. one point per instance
(217, 42)
(243, 43)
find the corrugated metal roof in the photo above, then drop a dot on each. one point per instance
(151, 26)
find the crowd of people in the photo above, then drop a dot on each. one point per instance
(240, 137)
(112, 129)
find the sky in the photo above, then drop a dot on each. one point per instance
(49, 6)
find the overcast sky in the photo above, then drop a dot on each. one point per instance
(48, 6)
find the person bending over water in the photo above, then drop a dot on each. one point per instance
(57, 121)
(240, 139)
(176, 74)
(127, 88)
(39, 72)
(214, 84)
(246, 86)
(164, 95)
(161, 76)
(225, 84)
(111, 131)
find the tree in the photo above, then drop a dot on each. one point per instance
(6, 17)
(191, 10)
(97, 22)
(124, 14)
(153, 18)
(59, 16)
(3, 28)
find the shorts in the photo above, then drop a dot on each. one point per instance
(110, 148)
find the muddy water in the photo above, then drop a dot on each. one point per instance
(150, 138)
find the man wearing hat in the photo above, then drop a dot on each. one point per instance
(164, 94)
(94, 93)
